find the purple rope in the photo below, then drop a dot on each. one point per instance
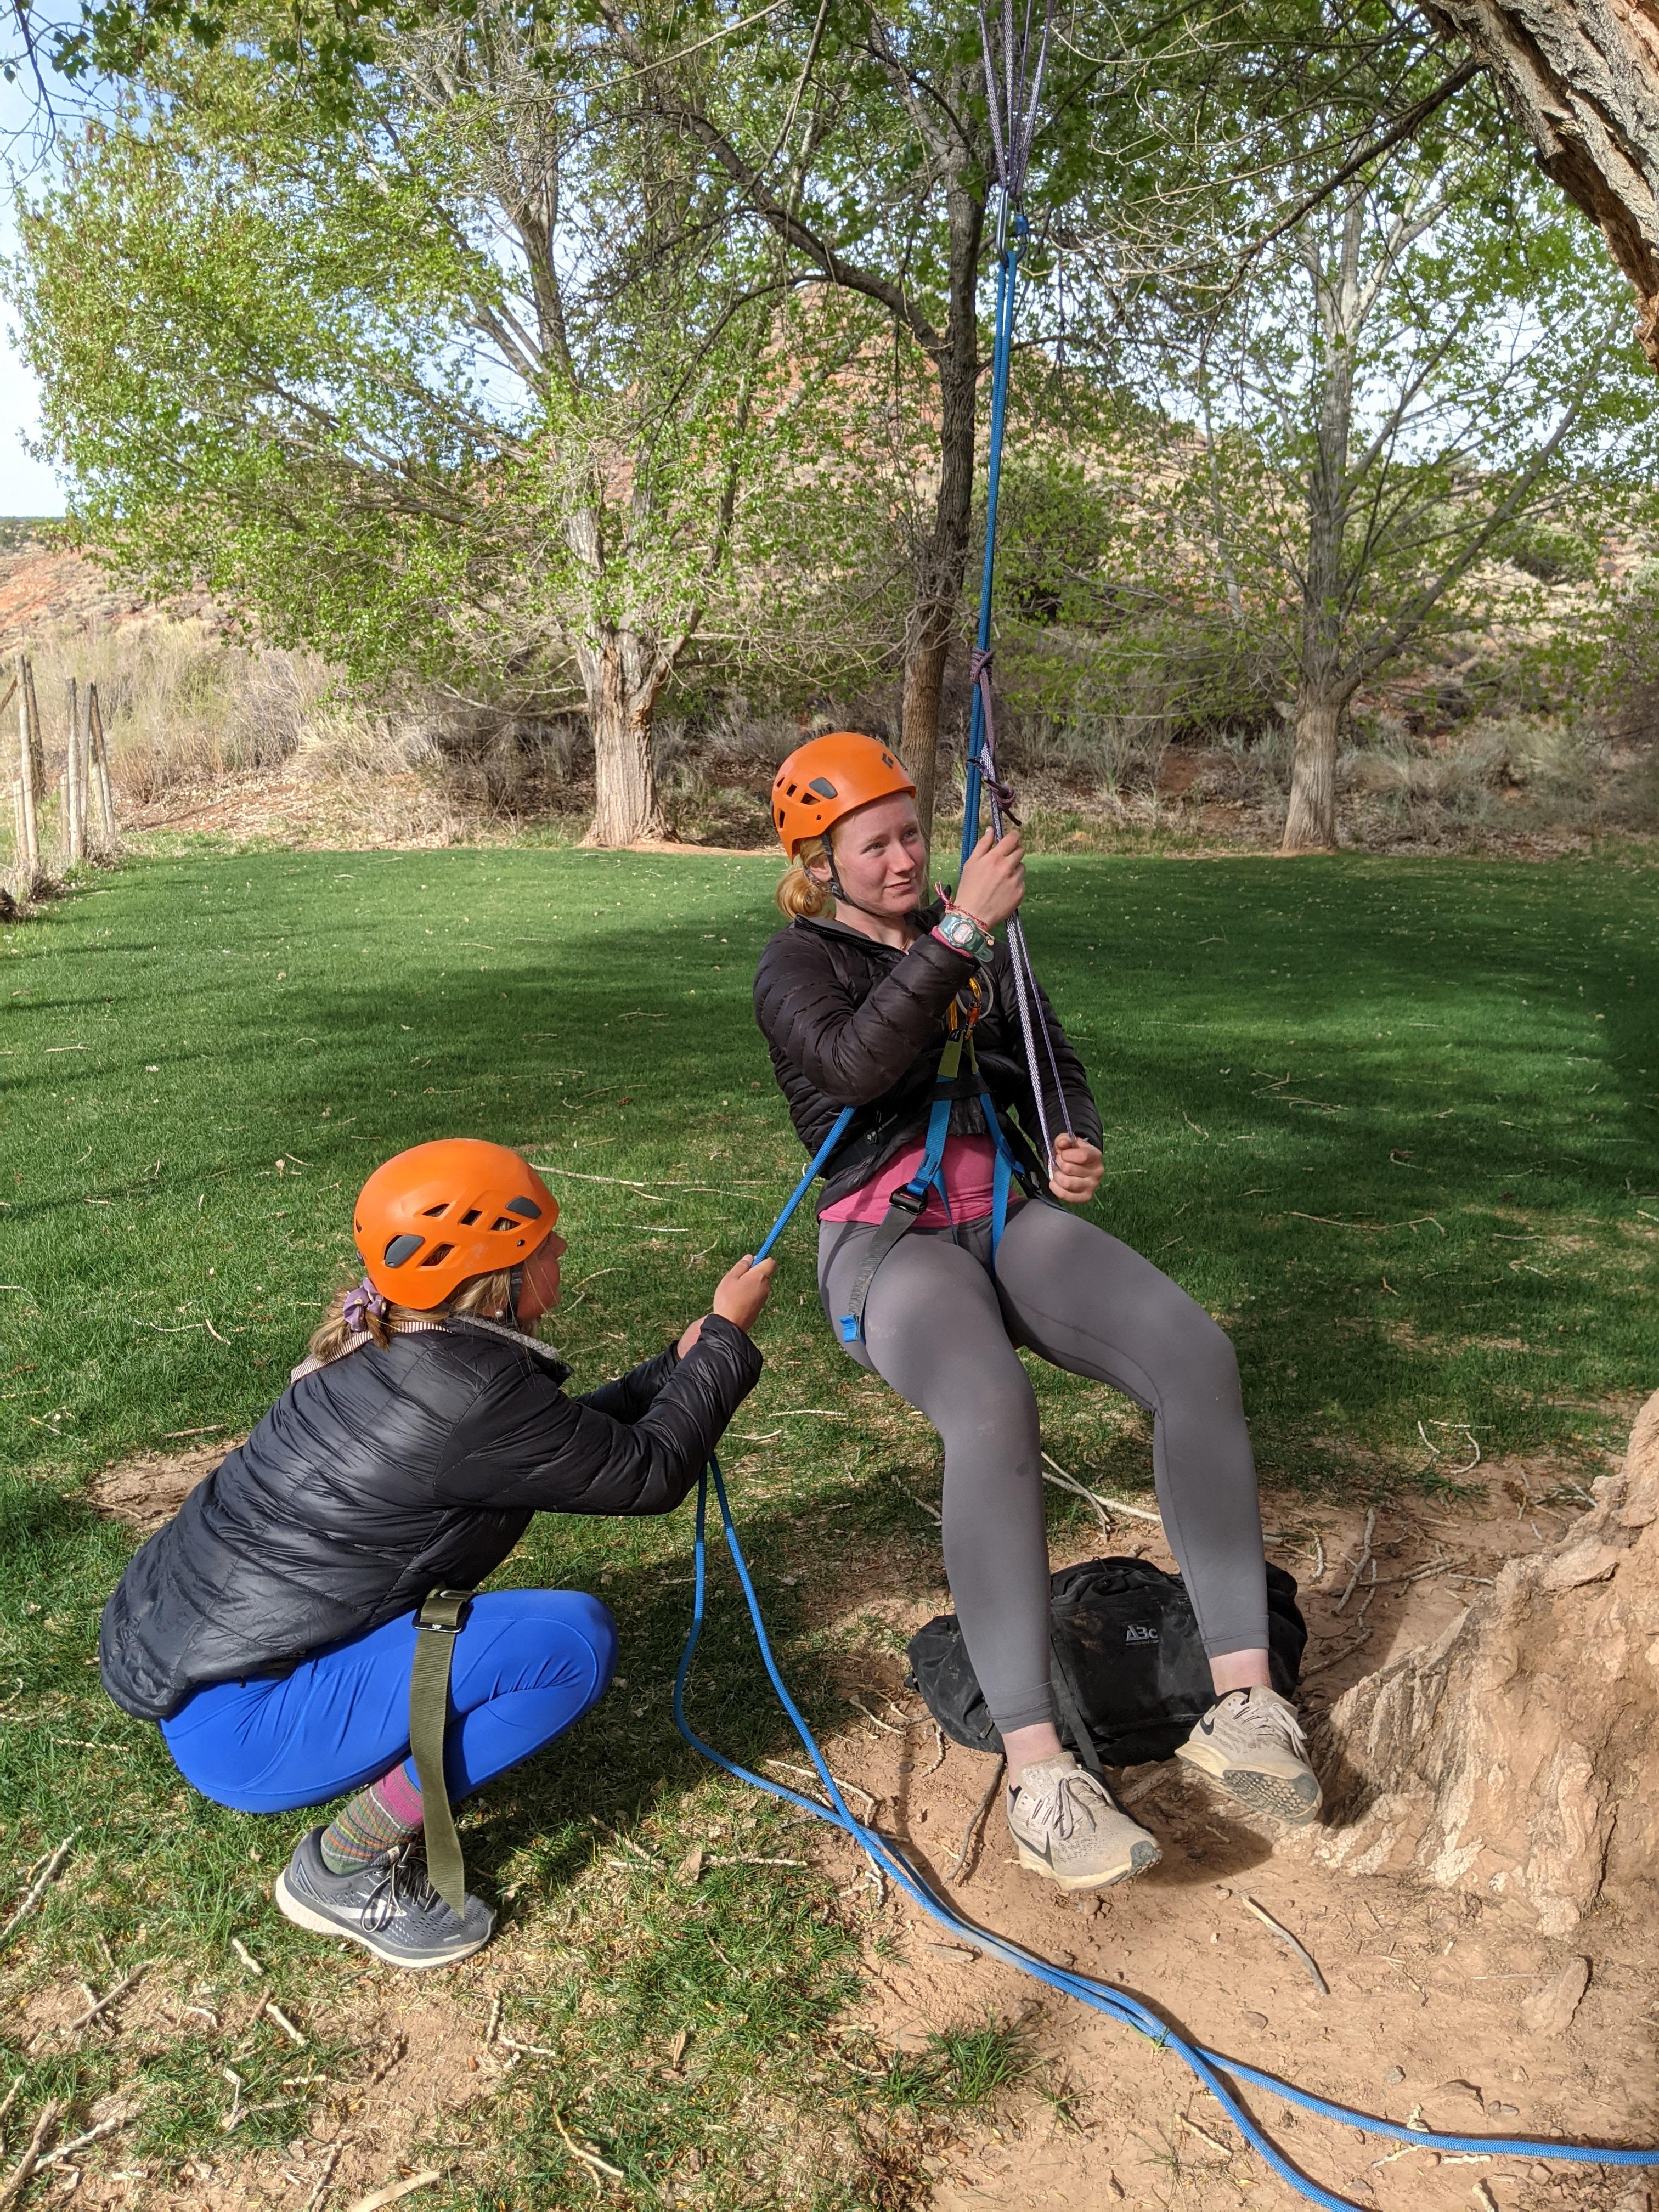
(1026, 985)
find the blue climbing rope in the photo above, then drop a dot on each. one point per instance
(1013, 92)
(1218, 2073)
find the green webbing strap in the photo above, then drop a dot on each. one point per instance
(437, 1623)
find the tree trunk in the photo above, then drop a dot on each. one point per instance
(1584, 80)
(1322, 692)
(623, 673)
(1311, 823)
(1514, 1757)
(943, 555)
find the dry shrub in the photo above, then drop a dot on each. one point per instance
(182, 704)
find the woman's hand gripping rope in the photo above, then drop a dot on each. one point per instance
(739, 1297)
(993, 879)
(1077, 1168)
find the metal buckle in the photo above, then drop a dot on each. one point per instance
(461, 1600)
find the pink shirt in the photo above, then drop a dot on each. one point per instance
(970, 1165)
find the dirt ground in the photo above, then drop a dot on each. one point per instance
(1450, 2008)
(1447, 2010)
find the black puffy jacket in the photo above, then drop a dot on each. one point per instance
(851, 1023)
(390, 1474)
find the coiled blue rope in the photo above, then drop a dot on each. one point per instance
(1212, 2068)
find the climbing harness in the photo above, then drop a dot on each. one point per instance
(906, 1204)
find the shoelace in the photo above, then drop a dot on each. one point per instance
(1056, 1804)
(1261, 1718)
(403, 1883)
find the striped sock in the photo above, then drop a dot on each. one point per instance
(373, 1822)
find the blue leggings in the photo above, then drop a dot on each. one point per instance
(527, 1666)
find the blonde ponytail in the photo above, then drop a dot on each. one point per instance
(799, 895)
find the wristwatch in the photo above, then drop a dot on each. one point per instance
(963, 934)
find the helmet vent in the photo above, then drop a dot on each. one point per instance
(437, 1255)
(431, 1213)
(502, 1221)
(470, 1216)
(401, 1249)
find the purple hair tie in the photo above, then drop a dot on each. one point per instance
(359, 1304)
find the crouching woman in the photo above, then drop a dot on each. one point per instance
(271, 1628)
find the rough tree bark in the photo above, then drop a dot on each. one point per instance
(1584, 80)
(1514, 1757)
(622, 673)
(942, 555)
(1321, 690)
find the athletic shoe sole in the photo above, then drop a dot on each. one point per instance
(1142, 1855)
(1294, 1798)
(319, 1924)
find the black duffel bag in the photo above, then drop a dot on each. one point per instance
(1129, 1672)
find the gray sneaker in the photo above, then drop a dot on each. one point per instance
(1251, 1742)
(389, 1906)
(1067, 1826)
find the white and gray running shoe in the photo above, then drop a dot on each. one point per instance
(1251, 1742)
(1066, 1827)
(389, 1906)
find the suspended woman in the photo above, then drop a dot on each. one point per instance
(859, 999)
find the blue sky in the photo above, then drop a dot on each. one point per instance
(26, 486)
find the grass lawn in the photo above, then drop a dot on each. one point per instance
(1396, 1122)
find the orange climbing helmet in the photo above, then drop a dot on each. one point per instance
(828, 778)
(429, 1219)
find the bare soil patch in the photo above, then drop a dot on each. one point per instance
(1464, 2016)
(147, 1490)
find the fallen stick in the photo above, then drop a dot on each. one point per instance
(1335, 1658)
(17, 2180)
(116, 1989)
(959, 1863)
(38, 1888)
(936, 1517)
(1274, 1928)
(886, 1727)
(1103, 1503)
(245, 1955)
(1204, 2136)
(325, 2179)
(1360, 1564)
(116, 2122)
(588, 2157)
(380, 2197)
(274, 2013)
(810, 1774)
(529, 2050)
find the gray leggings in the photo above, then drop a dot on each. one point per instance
(943, 1332)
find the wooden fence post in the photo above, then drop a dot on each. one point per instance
(75, 797)
(26, 784)
(99, 743)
